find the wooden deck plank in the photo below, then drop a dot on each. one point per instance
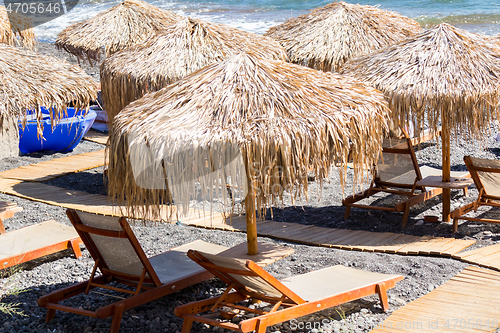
(304, 233)
(380, 240)
(469, 295)
(343, 236)
(96, 137)
(400, 243)
(58, 167)
(457, 247)
(385, 242)
(324, 237)
(433, 245)
(414, 248)
(488, 256)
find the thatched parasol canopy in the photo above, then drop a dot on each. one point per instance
(172, 54)
(328, 36)
(262, 123)
(29, 80)
(445, 75)
(16, 31)
(118, 28)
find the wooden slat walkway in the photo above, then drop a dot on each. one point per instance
(57, 167)
(53, 195)
(488, 257)
(304, 234)
(343, 239)
(96, 137)
(467, 303)
(92, 203)
(11, 182)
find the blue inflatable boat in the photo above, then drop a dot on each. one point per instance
(65, 136)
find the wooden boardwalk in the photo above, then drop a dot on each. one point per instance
(25, 181)
(87, 202)
(305, 234)
(96, 137)
(488, 257)
(57, 167)
(467, 303)
(386, 242)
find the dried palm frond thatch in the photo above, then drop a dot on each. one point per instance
(328, 36)
(14, 27)
(121, 26)
(29, 80)
(267, 120)
(444, 75)
(445, 71)
(172, 54)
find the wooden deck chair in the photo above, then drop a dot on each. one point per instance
(486, 176)
(34, 241)
(396, 172)
(7, 210)
(290, 298)
(119, 257)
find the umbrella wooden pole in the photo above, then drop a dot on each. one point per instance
(445, 140)
(251, 220)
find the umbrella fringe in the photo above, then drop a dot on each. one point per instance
(327, 37)
(284, 120)
(31, 81)
(126, 24)
(16, 30)
(173, 53)
(443, 71)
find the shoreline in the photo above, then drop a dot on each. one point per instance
(50, 49)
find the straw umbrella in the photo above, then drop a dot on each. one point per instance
(29, 80)
(262, 123)
(444, 74)
(14, 27)
(172, 54)
(121, 26)
(328, 36)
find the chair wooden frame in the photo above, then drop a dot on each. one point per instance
(147, 285)
(408, 190)
(7, 210)
(285, 307)
(483, 198)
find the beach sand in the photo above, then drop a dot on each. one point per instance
(422, 274)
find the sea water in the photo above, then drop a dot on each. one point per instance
(481, 16)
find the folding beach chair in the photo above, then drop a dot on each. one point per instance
(290, 298)
(397, 172)
(7, 210)
(486, 176)
(34, 241)
(120, 258)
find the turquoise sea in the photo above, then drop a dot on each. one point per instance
(481, 16)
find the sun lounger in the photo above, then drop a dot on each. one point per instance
(7, 210)
(290, 298)
(36, 241)
(28, 243)
(397, 172)
(119, 257)
(486, 176)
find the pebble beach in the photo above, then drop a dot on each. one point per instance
(422, 274)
